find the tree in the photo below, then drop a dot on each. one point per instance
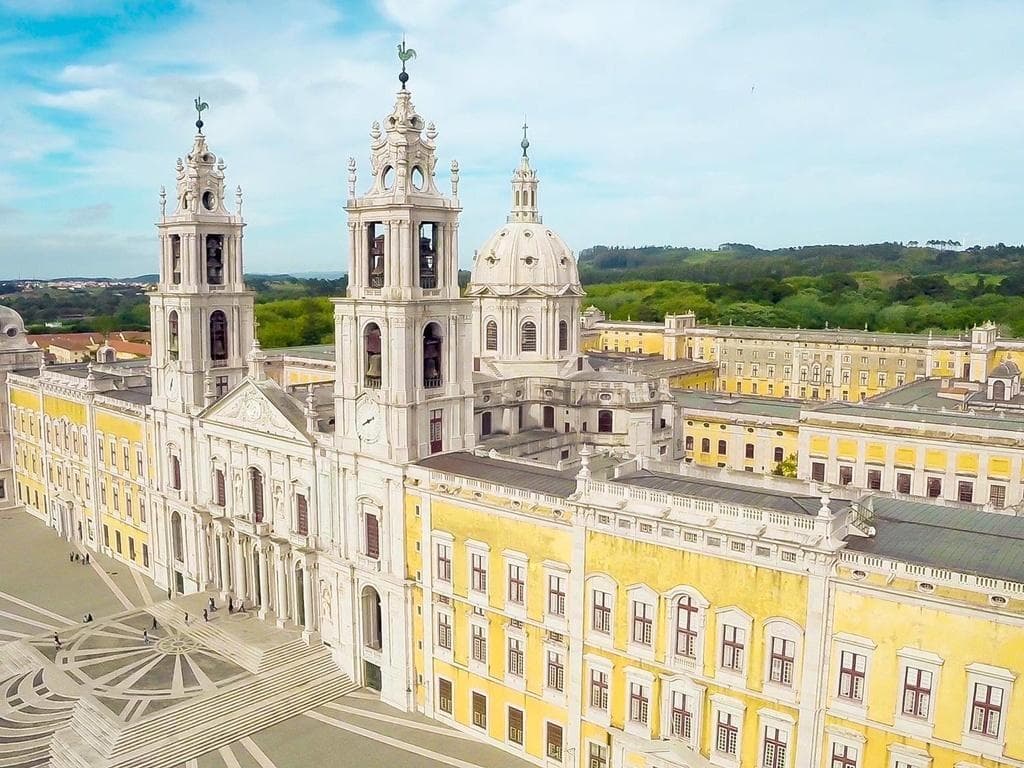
(786, 467)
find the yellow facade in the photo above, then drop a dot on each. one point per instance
(629, 337)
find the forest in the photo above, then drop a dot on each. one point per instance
(885, 286)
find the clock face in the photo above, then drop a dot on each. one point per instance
(369, 420)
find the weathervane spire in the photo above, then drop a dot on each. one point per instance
(200, 106)
(404, 54)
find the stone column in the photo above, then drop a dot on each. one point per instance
(281, 602)
(225, 572)
(307, 597)
(239, 586)
(204, 556)
(264, 583)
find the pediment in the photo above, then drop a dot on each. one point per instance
(259, 407)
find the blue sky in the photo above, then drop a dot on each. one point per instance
(650, 122)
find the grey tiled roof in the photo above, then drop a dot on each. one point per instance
(980, 543)
(770, 407)
(539, 479)
(725, 492)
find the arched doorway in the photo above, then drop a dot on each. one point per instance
(372, 634)
(999, 390)
(299, 615)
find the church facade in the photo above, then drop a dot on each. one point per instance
(453, 513)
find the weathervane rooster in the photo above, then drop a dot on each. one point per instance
(404, 54)
(200, 106)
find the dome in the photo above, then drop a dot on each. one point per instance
(1005, 370)
(12, 328)
(524, 254)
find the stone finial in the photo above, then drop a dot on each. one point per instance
(585, 453)
(163, 202)
(256, 360)
(90, 375)
(238, 199)
(431, 131)
(351, 177)
(310, 410)
(375, 130)
(826, 499)
(455, 178)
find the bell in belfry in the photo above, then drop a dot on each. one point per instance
(373, 365)
(430, 369)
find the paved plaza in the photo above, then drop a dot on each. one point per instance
(141, 686)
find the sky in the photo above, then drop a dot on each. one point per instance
(684, 123)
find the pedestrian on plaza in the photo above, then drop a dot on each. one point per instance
(241, 605)
(168, 593)
(206, 615)
(56, 641)
(154, 623)
(231, 606)
(71, 557)
(213, 605)
(186, 617)
(145, 637)
(88, 617)
(86, 558)
(75, 556)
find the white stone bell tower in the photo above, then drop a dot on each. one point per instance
(201, 314)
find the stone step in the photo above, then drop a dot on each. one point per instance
(16, 656)
(211, 636)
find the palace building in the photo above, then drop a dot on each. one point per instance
(490, 526)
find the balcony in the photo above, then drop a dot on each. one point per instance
(432, 382)
(428, 281)
(371, 382)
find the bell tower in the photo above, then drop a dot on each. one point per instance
(403, 334)
(201, 314)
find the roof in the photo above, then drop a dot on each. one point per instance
(650, 365)
(289, 407)
(998, 420)
(758, 498)
(1005, 370)
(516, 474)
(138, 395)
(310, 351)
(768, 407)
(829, 335)
(965, 540)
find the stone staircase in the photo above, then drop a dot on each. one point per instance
(30, 715)
(15, 657)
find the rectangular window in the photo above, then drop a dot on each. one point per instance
(774, 754)
(845, 475)
(553, 739)
(516, 583)
(478, 572)
(117, 541)
(874, 479)
(902, 482)
(818, 471)
(997, 496)
(726, 734)
(219, 488)
(444, 631)
(479, 710)
(965, 491)
(934, 487)
(686, 627)
(843, 756)
(598, 689)
(555, 671)
(301, 514)
(479, 649)
(986, 710)
(372, 536)
(515, 726)
(515, 657)
(443, 563)
(732, 647)
(782, 661)
(639, 704)
(852, 668)
(681, 716)
(444, 695)
(436, 430)
(643, 622)
(749, 450)
(220, 386)
(556, 595)
(125, 460)
(598, 756)
(139, 465)
(917, 692)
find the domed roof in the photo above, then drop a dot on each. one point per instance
(1005, 370)
(12, 328)
(524, 254)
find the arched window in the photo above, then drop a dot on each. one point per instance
(705, 445)
(372, 356)
(491, 336)
(604, 421)
(778, 454)
(517, 197)
(372, 624)
(999, 390)
(176, 537)
(176, 259)
(722, 448)
(256, 494)
(215, 259)
(172, 334)
(218, 336)
(528, 337)
(432, 356)
(563, 335)
(689, 442)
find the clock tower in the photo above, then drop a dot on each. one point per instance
(201, 314)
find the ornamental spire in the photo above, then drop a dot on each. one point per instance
(525, 143)
(404, 54)
(524, 187)
(201, 106)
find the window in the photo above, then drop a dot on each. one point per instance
(218, 336)
(491, 336)
(852, 669)
(528, 337)
(479, 710)
(599, 689)
(818, 471)
(444, 630)
(643, 622)
(515, 726)
(555, 670)
(301, 514)
(516, 583)
(601, 613)
(478, 572)
(443, 562)
(175, 472)
(436, 430)
(917, 692)
(681, 716)
(902, 482)
(732, 647)
(965, 491)
(843, 756)
(874, 479)
(934, 487)
(117, 541)
(749, 450)
(639, 703)
(782, 661)
(515, 657)
(563, 336)
(845, 475)
(256, 494)
(485, 423)
(372, 525)
(556, 595)
(479, 643)
(598, 757)
(432, 358)
(726, 733)
(773, 753)
(705, 445)
(689, 442)
(220, 386)
(604, 421)
(444, 695)
(372, 356)
(997, 496)
(553, 739)
(686, 627)
(778, 454)
(125, 456)
(214, 257)
(986, 710)
(172, 334)
(219, 490)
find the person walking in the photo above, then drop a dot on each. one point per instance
(71, 557)
(206, 615)
(213, 605)
(56, 641)
(145, 637)
(86, 558)
(168, 593)
(231, 606)
(154, 623)
(186, 617)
